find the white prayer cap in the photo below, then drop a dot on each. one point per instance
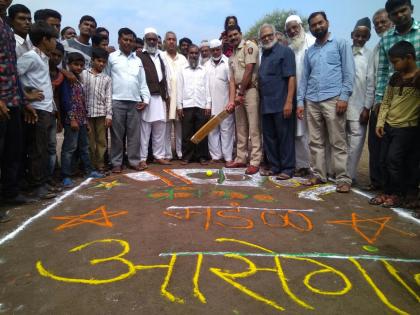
(291, 18)
(214, 43)
(148, 30)
(204, 43)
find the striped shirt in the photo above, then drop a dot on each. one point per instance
(98, 93)
(385, 68)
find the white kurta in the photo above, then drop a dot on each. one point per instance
(156, 110)
(175, 65)
(362, 96)
(301, 140)
(222, 137)
(299, 57)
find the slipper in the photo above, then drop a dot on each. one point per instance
(343, 188)
(392, 201)
(313, 181)
(378, 200)
(283, 176)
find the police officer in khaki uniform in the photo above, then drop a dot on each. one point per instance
(244, 100)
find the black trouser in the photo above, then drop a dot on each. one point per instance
(279, 142)
(194, 118)
(37, 139)
(10, 152)
(374, 145)
(396, 163)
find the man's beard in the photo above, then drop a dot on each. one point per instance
(269, 45)
(296, 43)
(150, 50)
(356, 49)
(204, 60)
(320, 34)
(193, 63)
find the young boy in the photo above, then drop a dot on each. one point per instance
(33, 71)
(74, 118)
(398, 124)
(98, 96)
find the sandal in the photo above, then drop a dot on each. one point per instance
(392, 201)
(343, 188)
(313, 181)
(283, 176)
(378, 200)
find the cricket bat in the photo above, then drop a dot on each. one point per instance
(209, 126)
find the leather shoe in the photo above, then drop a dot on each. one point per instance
(251, 170)
(234, 164)
(162, 162)
(116, 169)
(184, 162)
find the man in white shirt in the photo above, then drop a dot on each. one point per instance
(34, 73)
(193, 107)
(176, 62)
(218, 77)
(153, 117)
(20, 19)
(299, 42)
(362, 97)
(129, 96)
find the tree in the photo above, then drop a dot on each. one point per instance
(277, 18)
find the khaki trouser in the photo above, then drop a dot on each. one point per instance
(97, 141)
(248, 125)
(324, 122)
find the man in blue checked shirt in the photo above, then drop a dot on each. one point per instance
(325, 87)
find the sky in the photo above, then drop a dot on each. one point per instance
(200, 20)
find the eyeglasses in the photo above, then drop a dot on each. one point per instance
(271, 35)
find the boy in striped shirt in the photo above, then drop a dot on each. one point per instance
(98, 95)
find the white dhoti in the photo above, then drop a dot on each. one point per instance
(302, 152)
(356, 135)
(153, 121)
(221, 140)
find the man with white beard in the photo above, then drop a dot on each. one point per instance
(277, 84)
(204, 52)
(153, 117)
(218, 77)
(299, 42)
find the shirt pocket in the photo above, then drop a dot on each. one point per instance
(333, 57)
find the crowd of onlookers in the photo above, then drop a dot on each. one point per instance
(296, 103)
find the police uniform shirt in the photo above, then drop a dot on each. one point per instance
(277, 65)
(246, 53)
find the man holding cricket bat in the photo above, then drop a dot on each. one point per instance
(221, 138)
(243, 88)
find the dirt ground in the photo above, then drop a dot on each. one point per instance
(183, 240)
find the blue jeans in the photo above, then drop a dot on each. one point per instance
(74, 139)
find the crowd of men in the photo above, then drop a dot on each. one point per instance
(299, 104)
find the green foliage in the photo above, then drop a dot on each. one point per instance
(277, 18)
